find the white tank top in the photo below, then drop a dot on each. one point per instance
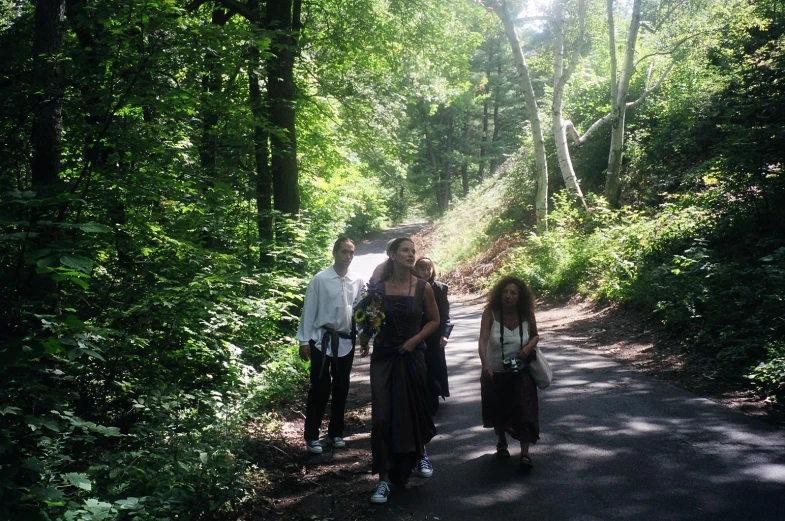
(512, 345)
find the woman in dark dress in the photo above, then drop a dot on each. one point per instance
(435, 359)
(401, 423)
(508, 335)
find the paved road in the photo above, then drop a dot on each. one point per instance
(615, 445)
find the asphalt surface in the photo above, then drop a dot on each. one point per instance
(615, 445)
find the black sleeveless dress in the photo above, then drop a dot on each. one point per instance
(401, 422)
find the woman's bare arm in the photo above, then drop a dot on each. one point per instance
(431, 314)
(482, 345)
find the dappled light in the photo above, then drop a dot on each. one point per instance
(173, 173)
(614, 445)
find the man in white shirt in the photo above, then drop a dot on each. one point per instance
(327, 337)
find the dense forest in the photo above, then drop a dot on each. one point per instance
(173, 172)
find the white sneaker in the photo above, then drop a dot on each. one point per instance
(382, 491)
(338, 442)
(314, 446)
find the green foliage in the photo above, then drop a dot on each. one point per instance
(461, 234)
(769, 376)
(685, 262)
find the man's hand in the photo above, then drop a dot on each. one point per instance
(444, 341)
(364, 350)
(305, 352)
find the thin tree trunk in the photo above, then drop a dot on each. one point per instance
(211, 87)
(484, 139)
(561, 76)
(619, 100)
(465, 157)
(429, 146)
(541, 200)
(495, 155)
(48, 85)
(264, 194)
(446, 181)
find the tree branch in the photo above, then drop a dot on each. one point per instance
(196, 4)
(648, 91)
(676, 46)
(671, 9)
(242, 9)
(580, 140)
(576, 50)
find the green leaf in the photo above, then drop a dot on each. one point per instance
(10, 410)
(79, 282)
(131, 503)
(50, 495)
(93, 354)
(77, 262)
(99, 509)
(78, 480)
(93, 228)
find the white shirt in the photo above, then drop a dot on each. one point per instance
(496, 353)
(329, 301)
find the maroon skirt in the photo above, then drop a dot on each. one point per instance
(400, 422)
(509, 404)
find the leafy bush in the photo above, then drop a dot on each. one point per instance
(769, 376)
(129, 400)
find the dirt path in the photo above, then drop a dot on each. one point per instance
(336, 485)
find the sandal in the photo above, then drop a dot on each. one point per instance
(502, 452)
(525, 463)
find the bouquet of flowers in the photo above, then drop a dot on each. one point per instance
(369, 312)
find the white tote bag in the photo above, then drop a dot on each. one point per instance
(541, 370)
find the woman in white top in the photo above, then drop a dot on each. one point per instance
(508, 335)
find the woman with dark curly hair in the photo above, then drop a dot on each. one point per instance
(508, 335)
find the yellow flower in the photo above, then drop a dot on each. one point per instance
(359, 316)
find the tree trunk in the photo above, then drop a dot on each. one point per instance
(48, 88)
(619, 100)
(433, 164)
(264, 194)
(484, 139)
(495, 154)
(446, 180)
(465, 178)
(211, 87)
(465, 157)
(560, 78)
(541, 201)
(283, 17)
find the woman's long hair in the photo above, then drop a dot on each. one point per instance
(525, 302)
(389, 267)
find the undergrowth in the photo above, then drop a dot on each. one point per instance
(709, 265)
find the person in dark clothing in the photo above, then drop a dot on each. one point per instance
(401, 425)
(435, 358)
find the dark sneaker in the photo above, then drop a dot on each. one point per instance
(424, 467)
(314, 446)
(382, 491)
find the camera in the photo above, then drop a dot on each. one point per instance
(513, 364)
